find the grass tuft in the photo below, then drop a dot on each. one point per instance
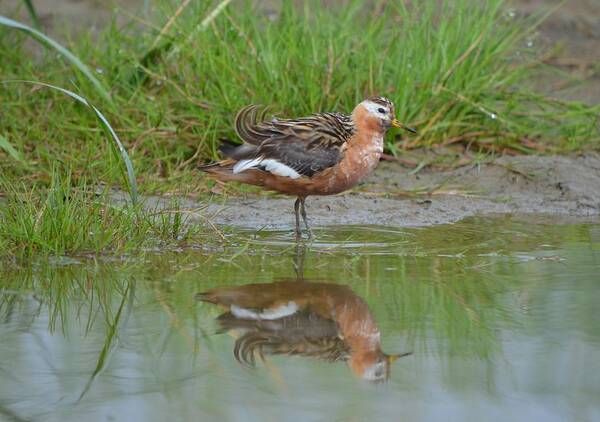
(32, 14)
(7, 147)
(78, 220)
(117, 146)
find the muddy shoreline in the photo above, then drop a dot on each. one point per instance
(545, 188)
(559, 187)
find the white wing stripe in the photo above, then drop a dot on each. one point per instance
(281, 311)
(270, 165)
(279, 169)
(242, 165)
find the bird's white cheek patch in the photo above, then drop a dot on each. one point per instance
(373, 108)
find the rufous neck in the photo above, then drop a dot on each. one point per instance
(366, 122)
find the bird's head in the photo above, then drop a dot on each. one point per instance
(373, 365)
(378, 113)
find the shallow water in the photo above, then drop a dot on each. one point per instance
(500, 316)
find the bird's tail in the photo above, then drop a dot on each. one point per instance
(236, 151)
(206, 297)
(221, 170)
(223, 166)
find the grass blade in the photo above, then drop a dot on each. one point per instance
(202, 26)
(50, 43)
(10, 150)
(156, 50)
(117, 145)
(32, 13)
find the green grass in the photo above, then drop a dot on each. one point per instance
(457, 70)
(51, 44)
(67, 219)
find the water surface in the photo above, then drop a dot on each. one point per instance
(500, 316)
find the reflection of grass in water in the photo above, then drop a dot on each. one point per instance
(449, 306)
(111, 341)
(108, 303)
(435, 296)
(84, 293)
(93, 293)
(174, 326)
(460, 308)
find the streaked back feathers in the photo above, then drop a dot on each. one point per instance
(289, 147)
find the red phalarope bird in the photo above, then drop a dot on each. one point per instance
(322, 154)
(298, 318)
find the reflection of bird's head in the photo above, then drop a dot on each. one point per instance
(373, 365)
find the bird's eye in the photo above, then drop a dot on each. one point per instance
(381, 110)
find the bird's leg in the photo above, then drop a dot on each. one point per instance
(299, 261)
(303, 211)
(296, 211)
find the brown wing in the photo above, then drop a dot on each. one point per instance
(307, 145)
(303, 334)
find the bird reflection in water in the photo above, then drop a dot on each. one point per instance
(314, 319)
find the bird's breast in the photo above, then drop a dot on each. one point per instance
(370, 152)
(360, 159)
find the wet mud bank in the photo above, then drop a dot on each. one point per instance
(542, 186)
